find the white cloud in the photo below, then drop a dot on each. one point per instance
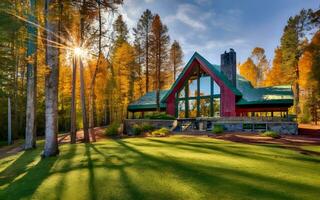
(149, 1)
(228, 20)
(202, 2)
(190, 15)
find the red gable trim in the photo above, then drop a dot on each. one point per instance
(227, 97)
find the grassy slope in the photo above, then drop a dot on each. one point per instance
(312, 148)
(162, 168)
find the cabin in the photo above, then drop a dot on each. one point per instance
(207, 90)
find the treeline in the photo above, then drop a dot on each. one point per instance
(296, 62)
(116, 67)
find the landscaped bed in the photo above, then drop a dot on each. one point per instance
(175, 167)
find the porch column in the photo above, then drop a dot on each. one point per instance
(198, 92)
(211, 97)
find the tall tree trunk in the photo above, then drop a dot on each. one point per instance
(82, 85)
(297, 88)
(83, 105)
(93, 80)
(147, 61)
(51, 82)
(73, 135)
(158, 75)
(10, 141)
(30, 134)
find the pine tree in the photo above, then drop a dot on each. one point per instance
(176, 55)
(292, 45)
(143, 31)
(159, 40)
(121, 31)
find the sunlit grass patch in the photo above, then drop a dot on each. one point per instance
(175, 167)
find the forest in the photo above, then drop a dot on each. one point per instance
(73, 64)
(76, 57)
(296, 62)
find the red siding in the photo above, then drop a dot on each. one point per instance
(171, 107)
(241, 110)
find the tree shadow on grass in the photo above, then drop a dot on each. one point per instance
(19, 166)
(199, 146)
(60, 188)
(213, 178)
(91, 181)
(26, 186)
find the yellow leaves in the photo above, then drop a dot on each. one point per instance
(30, 59)
(305, 66)
(249, 71)
(123, 63)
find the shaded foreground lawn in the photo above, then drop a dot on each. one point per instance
(162, 168)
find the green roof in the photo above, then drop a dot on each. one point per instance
(279, 95)
(264, 95)
(148, 102)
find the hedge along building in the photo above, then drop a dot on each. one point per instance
(206, 90)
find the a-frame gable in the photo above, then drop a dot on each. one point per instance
(206, 66)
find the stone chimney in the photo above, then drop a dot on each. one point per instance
(229, 67)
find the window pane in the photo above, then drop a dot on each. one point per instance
(216, 107)
(205, 85)
(205, 107)
(182, 93)
(193, 88)
(193, 108)
(216, 88)
(181, 109)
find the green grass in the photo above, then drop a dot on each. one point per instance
(314, 148)
(162, 168)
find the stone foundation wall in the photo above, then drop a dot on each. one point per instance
(157, 124)
(207, 125)
(248, 126)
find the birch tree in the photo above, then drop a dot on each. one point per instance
(30, 133)
(51, 80)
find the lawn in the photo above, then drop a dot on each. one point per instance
(162, 168)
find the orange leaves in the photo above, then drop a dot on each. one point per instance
(249, 71)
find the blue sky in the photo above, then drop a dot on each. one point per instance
(213, 26)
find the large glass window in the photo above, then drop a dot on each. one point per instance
(193, 88)
(205, 107)
(193, 108)
(216, 88)
(181, 109)
(182, 93)
(205, 89)
(207, 104)
(216, 107)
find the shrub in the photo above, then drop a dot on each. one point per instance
(217, 129)
(160, 116)
(112, 129)
(139, 129)
(272, 134)
(160, 132)
(145, 127)
(136, 129)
